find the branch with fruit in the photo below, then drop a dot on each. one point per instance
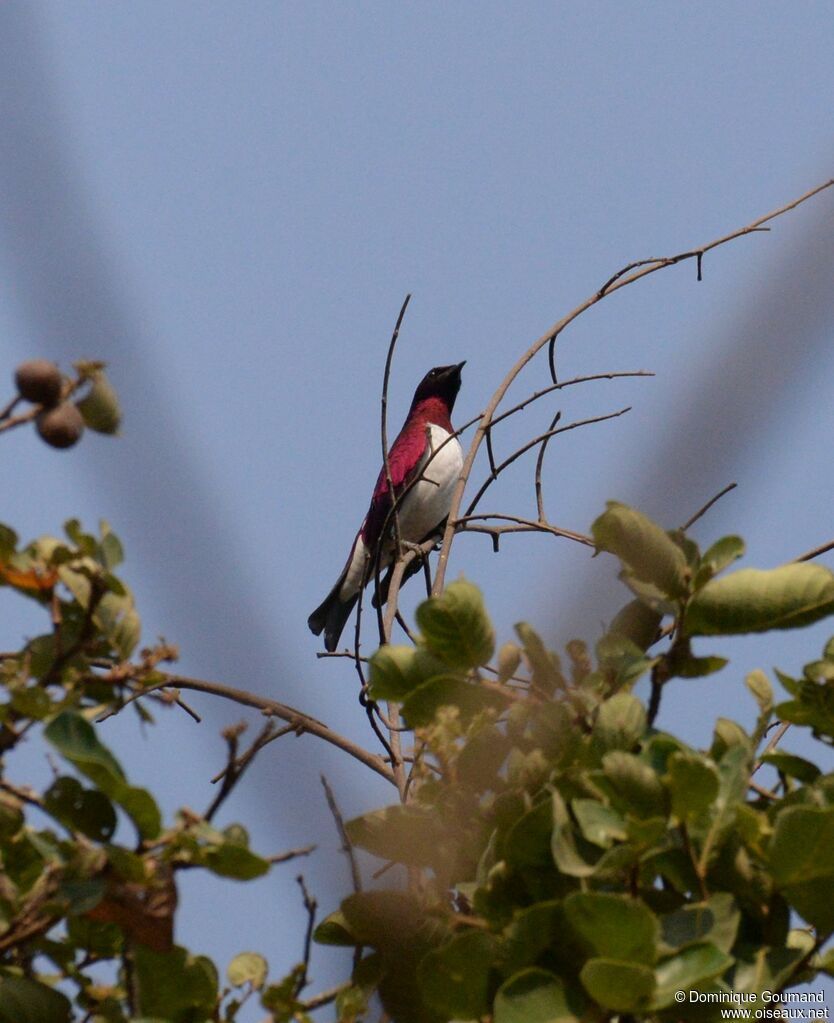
(58, 412)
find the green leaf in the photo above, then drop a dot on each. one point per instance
(248, 968)
(715, 921)
(637, 622)
(100, 406)
(421, 705)
(82, 895)
(751, 600)
(391, 672)
(564, 847)
(230, 860)
(455, 626)
(8, 542)
(767, 969)
(722, 553)
(599, 824)
(614, 926)
(175, 985)
(112, 553)
(334, 930)
(711, 829)
(532, 931)
(697, 667)
(119, 620)
(621, 986)
(793, 766)
(509, 658)
(646, 551)
(546, 672)
(393, 922)
(140, 806)
(803, 844)
(693, 781)
(726, 735)
(691, 967)
(620, 723)
(75, 739)
(454, 978)
(27, 1001)
(802, 862)
(636, 784)
(84, 810)
(404, 834)
(536, 996)
(759, 685)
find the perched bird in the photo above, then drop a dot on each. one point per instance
(418, 453)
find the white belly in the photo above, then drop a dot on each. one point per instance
(427, 503)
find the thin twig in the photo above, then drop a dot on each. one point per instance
(12, 405)
(551, 358)
(325, 997)
(532, 443)
(347, 845)
(522, 525)
(816, 551)
(188, 710)
(404, 626)
(386, 461)
(702, 511)
(629, 277)
(774, 741)
(292, 854)
(267, 736)
(311, 906)
(539, 463)
(23, 417)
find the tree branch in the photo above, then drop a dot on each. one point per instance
(621, 280)
(300, 721)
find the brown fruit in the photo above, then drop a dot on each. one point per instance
(62, 426)
(39, 381)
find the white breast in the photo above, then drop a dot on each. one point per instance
(427, 504)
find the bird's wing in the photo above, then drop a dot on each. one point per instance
(405, 459)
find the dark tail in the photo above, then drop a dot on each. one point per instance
(330, 616)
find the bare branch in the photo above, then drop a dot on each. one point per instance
(816, 551)
(311, 906)
(299, 721)
(393, 514)
(539, 463)
(702, 511)
(531, 444)
(292, 854)
(347, 845)
(12, 405)
(773, 742)
(521, 525)
(549, 338)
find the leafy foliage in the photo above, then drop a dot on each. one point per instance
(73, 894)
(570, 861)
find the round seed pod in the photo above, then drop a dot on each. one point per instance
(39, 381)
(62, 426)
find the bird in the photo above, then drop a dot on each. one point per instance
(427, 451)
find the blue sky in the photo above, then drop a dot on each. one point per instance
(228, 203)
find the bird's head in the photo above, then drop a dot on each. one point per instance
(441, 382)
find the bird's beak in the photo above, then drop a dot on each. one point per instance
(461, 365)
